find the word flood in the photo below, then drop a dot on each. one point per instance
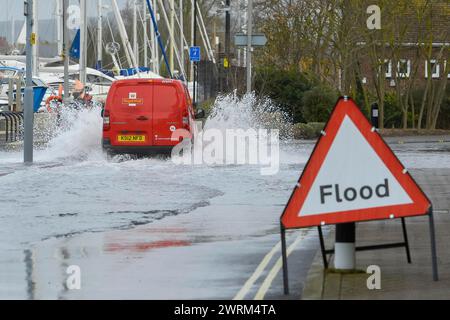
(351, 194)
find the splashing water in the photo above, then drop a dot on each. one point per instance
(77, 138)
(248, 112)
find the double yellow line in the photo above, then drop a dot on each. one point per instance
(267, 283)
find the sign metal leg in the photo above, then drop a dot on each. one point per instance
(322, 248)
(433, 246)
(284, 256)
(405, 237)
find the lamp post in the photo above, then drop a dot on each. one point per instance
(28, 95)
(249, 45)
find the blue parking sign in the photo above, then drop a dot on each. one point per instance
(194, 54)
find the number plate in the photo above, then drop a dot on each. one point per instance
(131, 138)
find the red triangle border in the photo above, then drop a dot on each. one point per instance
(347, 107)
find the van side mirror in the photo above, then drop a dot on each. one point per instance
(200, 114)
(103, 112)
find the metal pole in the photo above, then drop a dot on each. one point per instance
(124, 36)
(182, 34)
(239, 23)
(29, 100)
(204, 35)
(284, 258)
(83, 41)
(172, 30)
(172, 39)
(322, 248)
(345, 247)
(249, 45)
(36, 45)
(135, 37)
(193, 6)
(66, 46)
(405, 238)
(100, 34)
(59, 26)
(433, 246)
(194, 44)
(155, 41)
(13, 32)
(227, 29)
(158, 36)
(144, 10)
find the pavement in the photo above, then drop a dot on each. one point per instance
(399, 280)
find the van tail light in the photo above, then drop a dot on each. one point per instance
(106, 121)
(186, 121)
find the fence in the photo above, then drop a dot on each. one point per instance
(215, 78)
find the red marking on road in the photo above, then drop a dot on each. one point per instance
(145, 246)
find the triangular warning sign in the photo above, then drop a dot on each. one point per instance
(352, 175)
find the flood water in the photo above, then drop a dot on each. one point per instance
(73, 188)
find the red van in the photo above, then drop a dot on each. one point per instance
(141, 115)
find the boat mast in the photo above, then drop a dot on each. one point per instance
(172, 39)
(66, 55)
(181, 33)
(83, 41)
(59, 26)
(158, 35)
(144, 10)
(172, 31)
(13, 31)
(100, 35)
(154, 40)
(123, 35)
(204, 35)
(135, 35)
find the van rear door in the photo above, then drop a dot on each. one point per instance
(131, 114)
(167, 112)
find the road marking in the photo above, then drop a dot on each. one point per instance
(265, 261)
(276, 268)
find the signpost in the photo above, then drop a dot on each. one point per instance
(194, 54)
(353, 176)
(258, 40)
(195, 57)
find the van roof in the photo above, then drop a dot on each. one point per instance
(145, 80)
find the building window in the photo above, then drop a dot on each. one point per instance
(445, 69)
(387, 68)
(403, 68)
(435, 69)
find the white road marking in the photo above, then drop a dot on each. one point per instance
(265, 261)
(276, 268)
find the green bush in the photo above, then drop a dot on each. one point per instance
(318, 103)
(444, 116)
(285, 88)
(310, 130)
(392, 111)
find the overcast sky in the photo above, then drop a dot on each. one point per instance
(46, 8)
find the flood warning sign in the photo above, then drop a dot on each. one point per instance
(352, 175)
